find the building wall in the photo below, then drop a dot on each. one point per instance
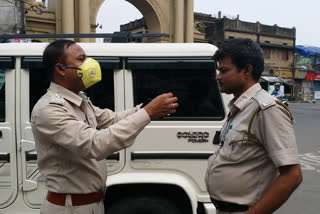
(277, 40)
(202, 22)
(12, 19)
(278, 57)
(41, 24)
(52, 21)
(231, 35)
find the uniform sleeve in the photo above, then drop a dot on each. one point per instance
(106, 117)
(57, 125)
(278, 135)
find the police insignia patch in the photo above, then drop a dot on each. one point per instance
(267, 103)
(57, 100)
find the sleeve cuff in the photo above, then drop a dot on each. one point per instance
(142, 118)
(285, 157)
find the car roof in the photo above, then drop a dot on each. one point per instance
(117, 49)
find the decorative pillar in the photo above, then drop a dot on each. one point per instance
(67, 16)
(84, 19)
(179, 25)
(190, 21)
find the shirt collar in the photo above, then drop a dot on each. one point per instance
(244, 98)
(66, 94)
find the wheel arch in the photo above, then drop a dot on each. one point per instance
(177, 185)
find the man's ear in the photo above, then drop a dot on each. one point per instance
(248, 71)
(60, 69)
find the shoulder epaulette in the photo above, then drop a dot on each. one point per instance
(58, 99)
(264, 99)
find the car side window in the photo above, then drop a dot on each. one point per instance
(101, 94)
(39, 79)
(5, 64)
(191, 80)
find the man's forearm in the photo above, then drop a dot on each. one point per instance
(289, 179)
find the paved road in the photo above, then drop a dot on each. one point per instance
(306, 199)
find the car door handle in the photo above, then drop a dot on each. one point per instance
(27, 184)
(31, 156)
(5, 157)
(0, 133)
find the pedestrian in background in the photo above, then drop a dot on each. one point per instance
(277, 93)
(73, 137)
(256, 167)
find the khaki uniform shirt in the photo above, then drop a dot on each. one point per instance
(73, 138)
(242, 172)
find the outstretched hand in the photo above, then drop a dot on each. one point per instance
(162, 105)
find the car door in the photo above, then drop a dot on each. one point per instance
(8, 147)
(182, 142)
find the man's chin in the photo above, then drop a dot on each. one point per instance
(222, 90)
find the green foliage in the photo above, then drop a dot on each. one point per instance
(201, 27)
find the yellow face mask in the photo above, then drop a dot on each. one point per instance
(89, 72)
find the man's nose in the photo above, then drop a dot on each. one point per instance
(219, 76)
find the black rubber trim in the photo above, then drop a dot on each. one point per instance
(105, 62)
(115, 156)
(32, 62)
(171, 63)
(5, 157)
(173, 118)
(108, 62)
(7, 62)
(33, 157)
(174, 156)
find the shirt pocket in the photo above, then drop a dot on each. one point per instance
(235, 146)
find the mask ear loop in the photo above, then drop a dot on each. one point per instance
(80, 75)
(64, 66)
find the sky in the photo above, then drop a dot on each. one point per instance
(303, 15)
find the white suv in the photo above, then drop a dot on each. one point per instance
(166, 165)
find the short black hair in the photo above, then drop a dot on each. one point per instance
(54, 53)
(242, 52)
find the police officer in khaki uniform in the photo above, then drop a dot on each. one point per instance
(256, 167)
(73, 137)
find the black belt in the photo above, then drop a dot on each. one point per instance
(229, 207)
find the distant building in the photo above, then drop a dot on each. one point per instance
(307, 74)
(202, 22)
(278, 43)
(61, 17)
(136, 26)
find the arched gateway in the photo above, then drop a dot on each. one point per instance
(171, 17)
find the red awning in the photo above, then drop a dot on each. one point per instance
(313, 75)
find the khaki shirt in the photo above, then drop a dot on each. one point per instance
(242, 172)
(73, 138)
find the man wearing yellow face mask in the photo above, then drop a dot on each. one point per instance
(71, 150)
